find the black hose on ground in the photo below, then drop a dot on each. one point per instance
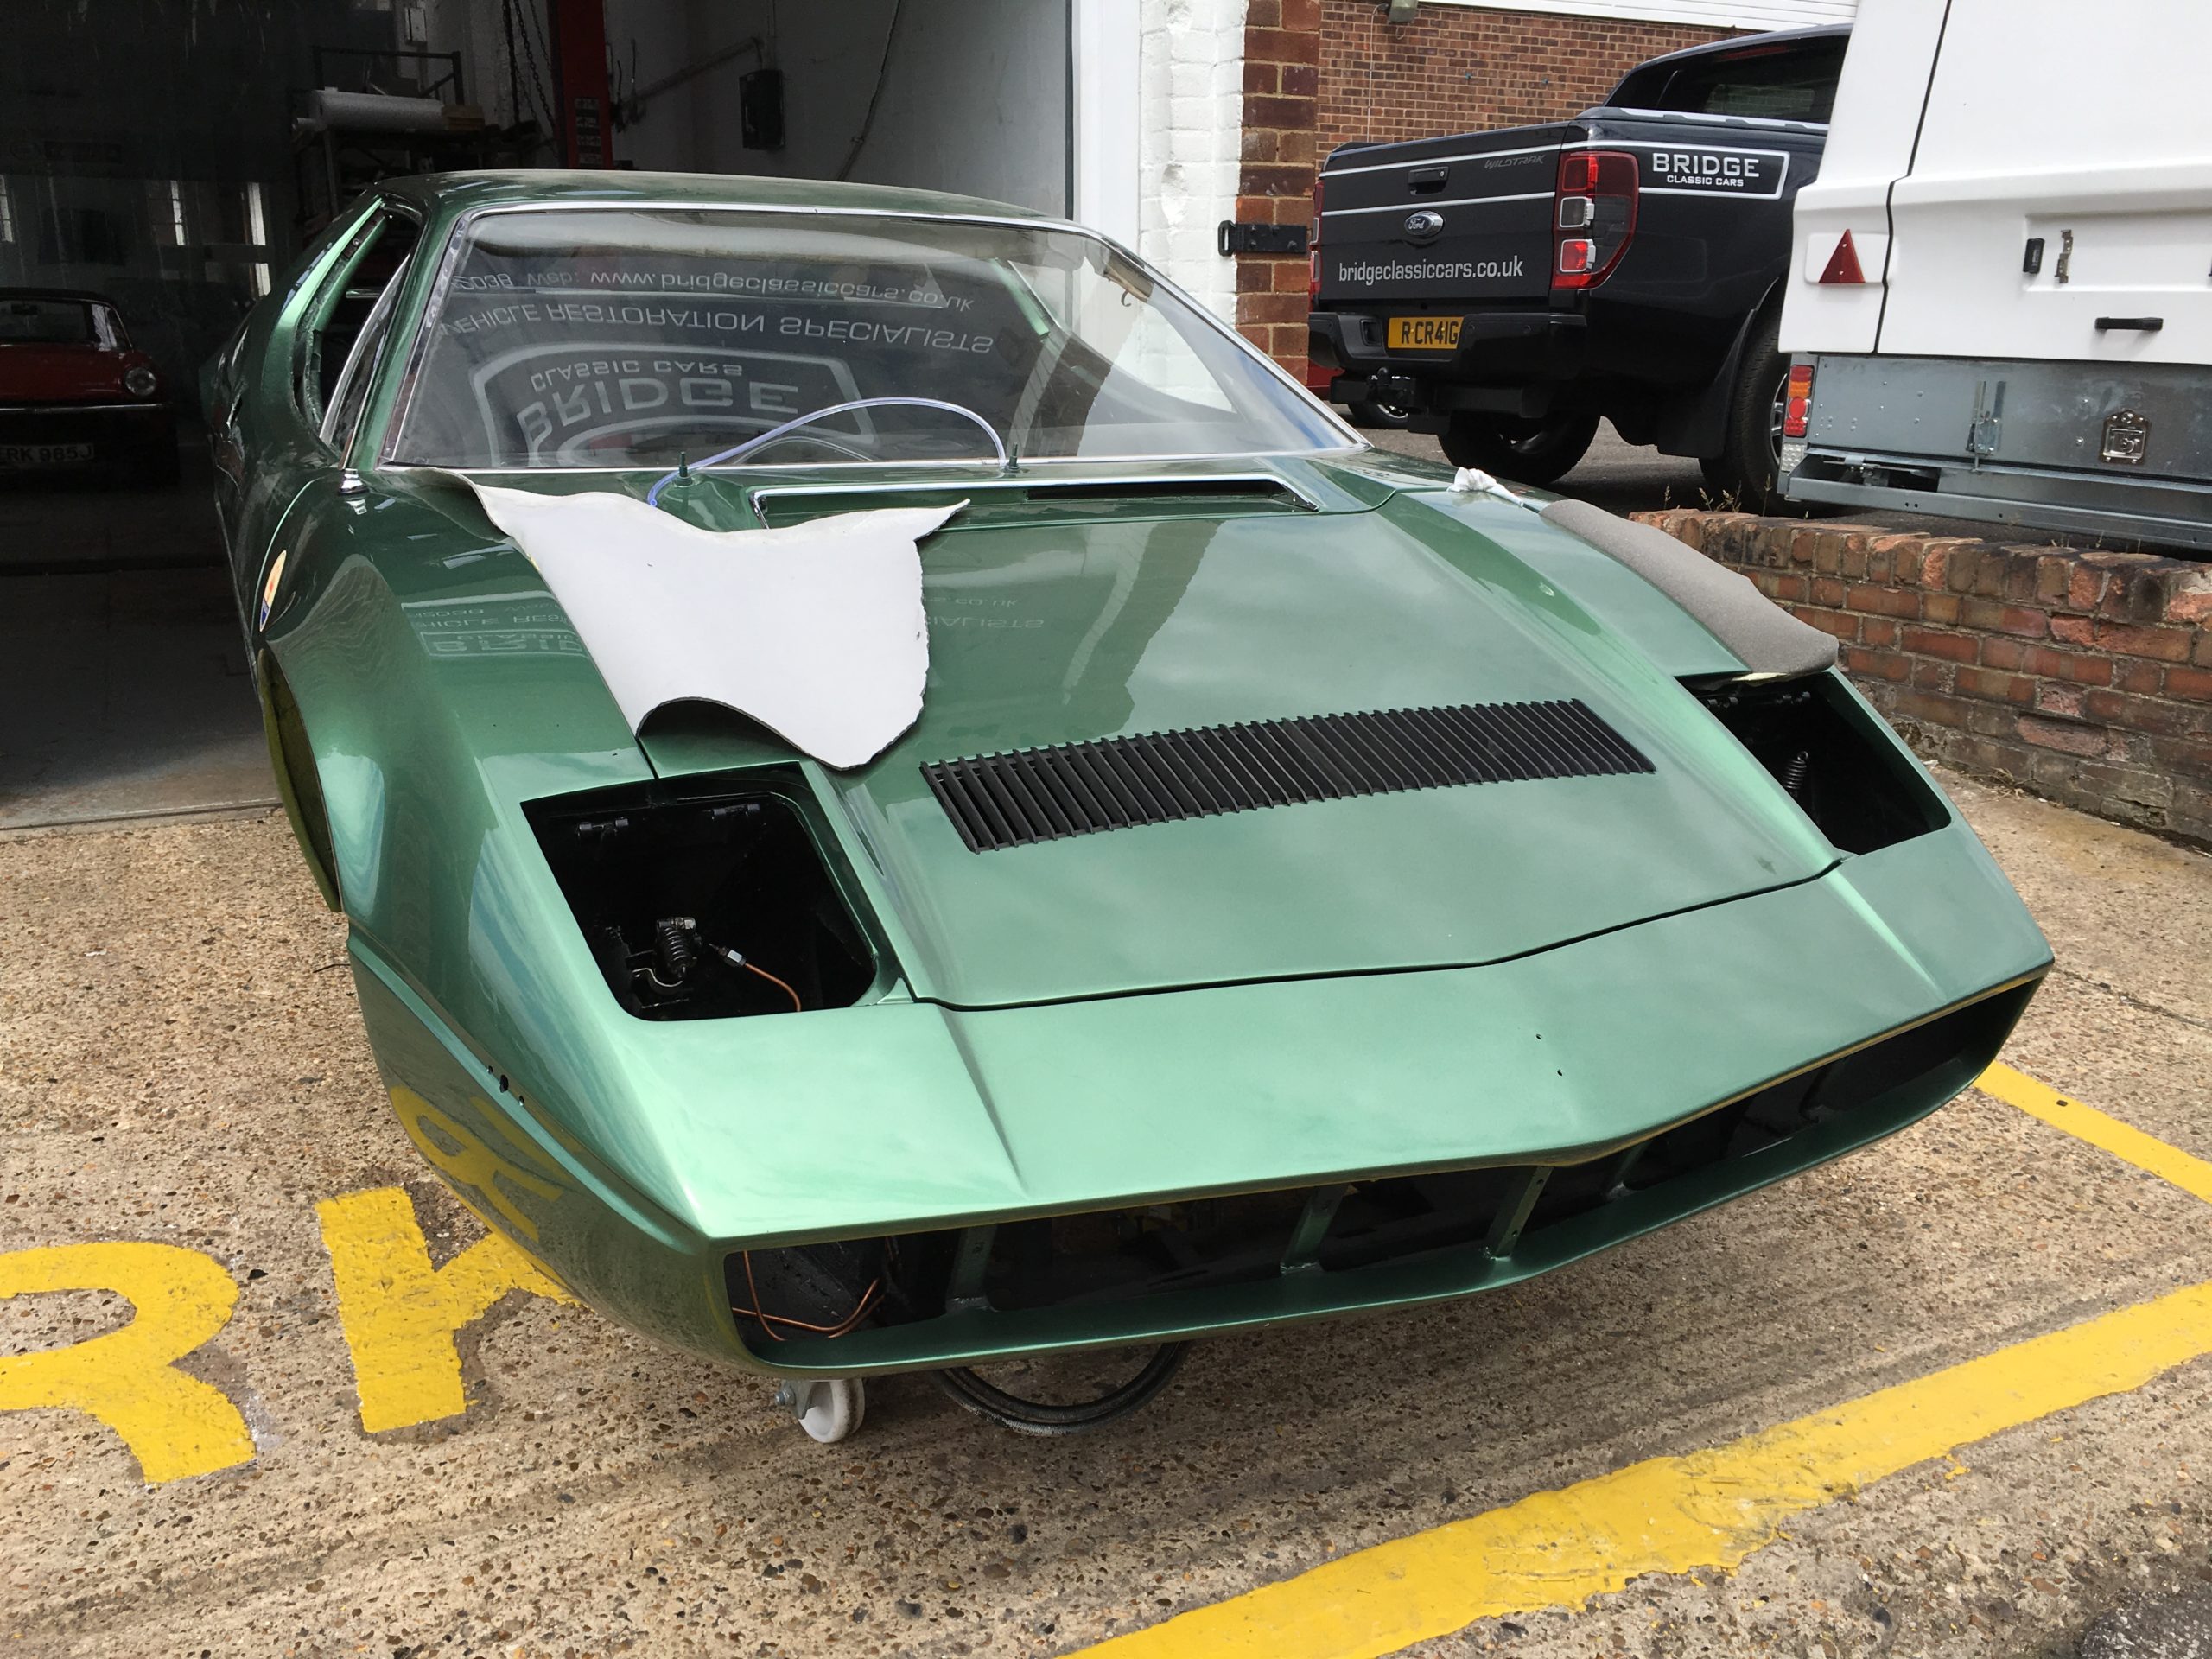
(1035, 1417)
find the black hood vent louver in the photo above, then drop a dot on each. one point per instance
(1117, 783)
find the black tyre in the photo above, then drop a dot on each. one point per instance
(1749, 465)
(1387, 416)
(1523, 452)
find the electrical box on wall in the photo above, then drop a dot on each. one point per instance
(760, 109)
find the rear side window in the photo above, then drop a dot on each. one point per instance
(340, 315)
(1777, 80)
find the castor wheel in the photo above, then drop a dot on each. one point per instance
(828, 1408)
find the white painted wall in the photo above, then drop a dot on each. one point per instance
(1107, 117)
(977, 98)
(1191, 116)
(974, 98)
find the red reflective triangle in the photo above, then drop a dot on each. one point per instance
(1843, 264)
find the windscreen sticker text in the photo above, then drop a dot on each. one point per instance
(763, 285)
(558, 399)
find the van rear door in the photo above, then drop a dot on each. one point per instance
(2059, 202)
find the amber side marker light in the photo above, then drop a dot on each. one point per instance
(1797, 413)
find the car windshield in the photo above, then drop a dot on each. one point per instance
(625, 337)
(46, 323)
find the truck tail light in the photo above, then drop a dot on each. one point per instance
(1594, 215)
(1797, 410)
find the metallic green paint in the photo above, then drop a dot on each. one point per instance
(1503, 973)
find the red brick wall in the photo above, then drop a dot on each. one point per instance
(2081, 674)
(1283, 54)
(1461, 69)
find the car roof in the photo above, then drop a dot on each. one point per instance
(81, 296)
(437, 193)
(1737, 42)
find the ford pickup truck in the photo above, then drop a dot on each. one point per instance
(1509, 289)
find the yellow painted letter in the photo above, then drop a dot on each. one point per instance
(174, 1425)
(401, 1314)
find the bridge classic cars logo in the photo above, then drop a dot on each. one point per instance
(1713, 171)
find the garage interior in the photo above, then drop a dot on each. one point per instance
(176, 166)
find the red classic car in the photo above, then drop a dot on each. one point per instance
(73, 393)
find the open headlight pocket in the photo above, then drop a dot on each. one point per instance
(706, 906)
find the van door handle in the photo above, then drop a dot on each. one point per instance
(2130, 325)
(1423, 180)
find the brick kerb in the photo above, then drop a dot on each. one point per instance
(2080, 674)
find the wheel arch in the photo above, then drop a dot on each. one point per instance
(299, 782)
(1697, 425)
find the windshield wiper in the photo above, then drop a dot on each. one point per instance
(684, 470)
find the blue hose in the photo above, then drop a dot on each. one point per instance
(652, 496)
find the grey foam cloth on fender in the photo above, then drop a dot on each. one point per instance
(1766, 639)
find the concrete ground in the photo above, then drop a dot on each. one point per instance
(1622, 477)
(123, 689)
(1619, 476)
(188, 1115)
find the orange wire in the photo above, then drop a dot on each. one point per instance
(798, 1006)
(755, 1309)
(770, 1321)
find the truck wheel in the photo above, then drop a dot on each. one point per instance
(1387, 416)
(1749, 465)
(1525, 452)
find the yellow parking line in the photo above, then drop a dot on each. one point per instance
(2123, 1140)
(1709, 1509)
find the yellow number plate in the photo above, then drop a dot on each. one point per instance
(1423, 333)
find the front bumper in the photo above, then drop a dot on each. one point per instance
(1506, 362)
(1565, 1059)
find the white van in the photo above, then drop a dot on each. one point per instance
(2001, 298)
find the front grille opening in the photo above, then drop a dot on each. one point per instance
(1860, 790)
(1111, 1253)
(664, 885)
(1120, 1258)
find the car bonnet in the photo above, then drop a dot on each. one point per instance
(1055, 634)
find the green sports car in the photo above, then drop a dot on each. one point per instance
(905, 800)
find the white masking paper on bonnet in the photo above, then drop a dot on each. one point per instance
(816, 631)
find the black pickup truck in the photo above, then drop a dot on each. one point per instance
(1507, 289)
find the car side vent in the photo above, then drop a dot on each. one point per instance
(1117, 783)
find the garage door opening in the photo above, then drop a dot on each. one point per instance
(156, 180)
(966, 96)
